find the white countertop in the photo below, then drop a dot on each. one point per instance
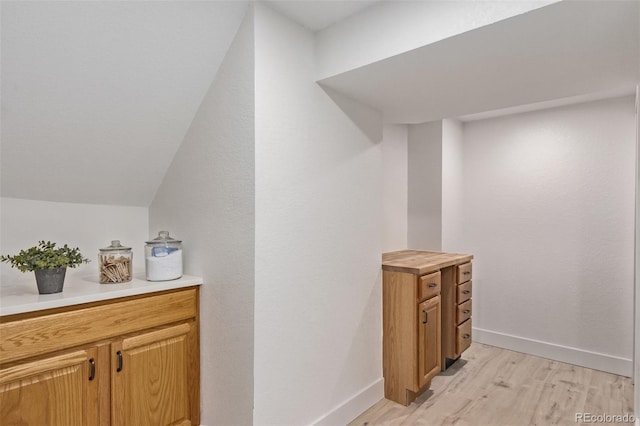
(22, 296)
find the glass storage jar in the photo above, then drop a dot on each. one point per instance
(115, 263)
(163, 258)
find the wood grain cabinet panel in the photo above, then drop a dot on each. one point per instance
(50, 391)
(464, 292)
(429, 342)
(463, 312)
(464, 272)
(399, 335)
(429, 286)
(141, 377)
(62, 329)
(150, 385)
(463, 336)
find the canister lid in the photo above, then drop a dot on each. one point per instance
(163, 238)
(115, 245)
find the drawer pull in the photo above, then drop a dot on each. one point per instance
(432, 285)
(426, 317)
(466, 273)
(92, 373)
(466, 292)
(119, 355)
(466, 336)
(466, 311)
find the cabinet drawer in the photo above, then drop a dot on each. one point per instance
(463, 312)
(464, 272)
(463, 336)
(464, 292)
(429, 285)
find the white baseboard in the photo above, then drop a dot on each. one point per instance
(354, 406)
(597, 361)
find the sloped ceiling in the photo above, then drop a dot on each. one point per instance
(97, 96)
(563, 50)
(318, 14)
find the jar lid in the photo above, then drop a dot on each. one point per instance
(163, 238)
(115, 245)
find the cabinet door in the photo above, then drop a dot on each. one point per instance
(429, 343)
(150, 378)
(58, 390)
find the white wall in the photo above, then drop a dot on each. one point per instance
(318, 325)
(394, 187)
(452, 184)
(548, 212)
(424, 222)
(435, 180)
(636, 352)
(207, 200)
(88, 226)
(393, 27)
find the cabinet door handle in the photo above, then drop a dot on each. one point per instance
(432, 285)
(426, 317)
(466, 311)
(119, 355)
(466, 336)
(92, 366)
(466, 292)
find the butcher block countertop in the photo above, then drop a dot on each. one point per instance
(421, 262)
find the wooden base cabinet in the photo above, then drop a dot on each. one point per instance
(426, 315)
(129, 361)
(411, 334)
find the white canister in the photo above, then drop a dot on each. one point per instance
(163, 258)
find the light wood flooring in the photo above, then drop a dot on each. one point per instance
(492, 386)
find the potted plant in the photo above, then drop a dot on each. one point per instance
(48, 263)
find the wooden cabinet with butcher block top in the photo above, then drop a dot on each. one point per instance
(426, 303)
(131, 360)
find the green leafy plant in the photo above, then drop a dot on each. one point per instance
(45, 256)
